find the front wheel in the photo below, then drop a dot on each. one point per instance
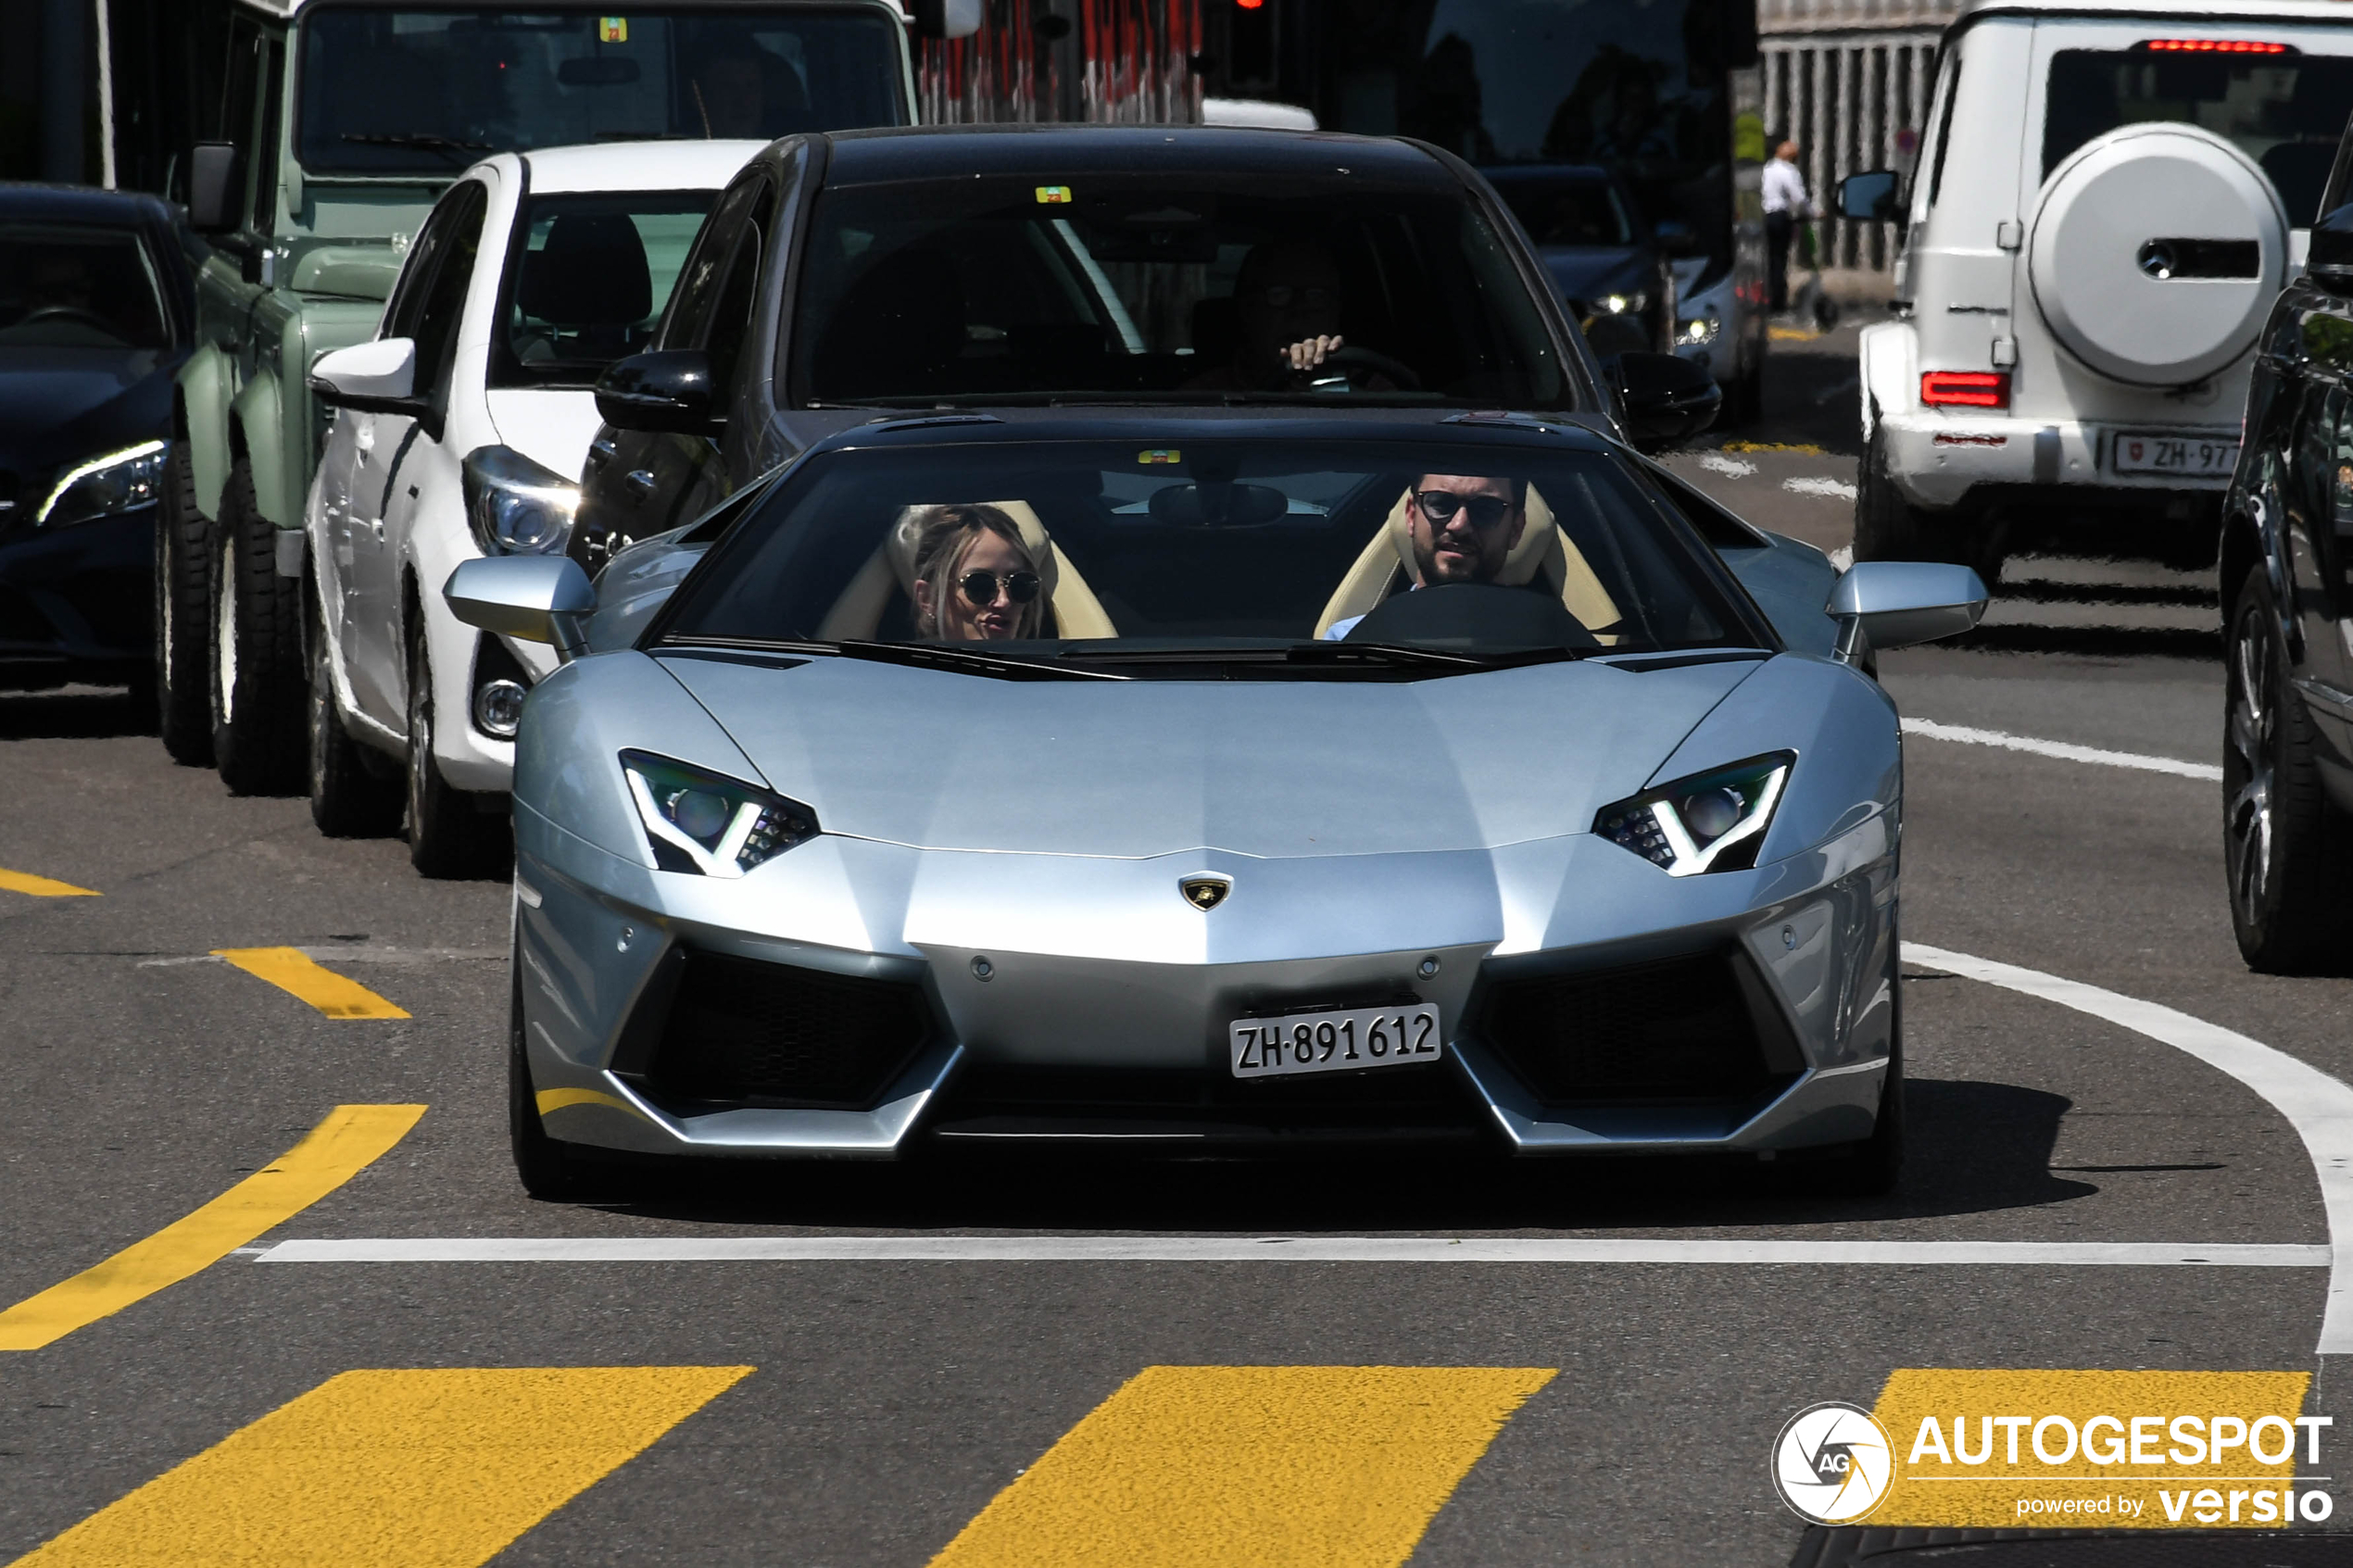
(258, 696)
(2287, 846)
(551, 1170)
(1888, 527)
(182, 594)
(450, 836)
(352, 795)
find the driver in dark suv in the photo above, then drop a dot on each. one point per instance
(1286, 301)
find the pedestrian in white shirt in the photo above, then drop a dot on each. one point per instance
(1785, 202)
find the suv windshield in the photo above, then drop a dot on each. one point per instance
(2284, 110)
(1256, 559)
(587, 280)
(1125, 286)
(420, 91)
(1565, 209)
(71, 285)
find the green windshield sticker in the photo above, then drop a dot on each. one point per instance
(1050, 195)
(612, 30)
(1161, 455)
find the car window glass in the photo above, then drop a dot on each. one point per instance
(1232, 549)
(730, 320)
(587, 281)
(1948, 91)
(686, 323)
(2285, 111)
(71, 285)
(1566, 211)
(409, 289)
(264, 158)
(444, 298)
(1000, 286)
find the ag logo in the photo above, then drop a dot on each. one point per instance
(1831, 1462)
(1206, 892)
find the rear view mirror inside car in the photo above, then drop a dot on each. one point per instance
(1218, 506)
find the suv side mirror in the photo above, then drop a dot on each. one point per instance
(369, 378)
(946, 19)
(1664, 399)
(215, 190)
(2329, 261)
(538, 599)
(1894, 603)
(1873, 196)
(667, 390)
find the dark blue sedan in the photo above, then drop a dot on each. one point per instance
(1609, 266)
(97, 302)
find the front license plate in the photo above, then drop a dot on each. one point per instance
(2145, 452)
(1336, 1042)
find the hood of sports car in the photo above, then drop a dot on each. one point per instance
(1272, 769)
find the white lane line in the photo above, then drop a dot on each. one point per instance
(1730, 468)
(2320, 1108)
(2063, 750)
(1807, 484)
(1278, 1249)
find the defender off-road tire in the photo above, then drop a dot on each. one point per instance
(182, 616)
(352, 796)
(260, 726)
(2287, 848)
(450, 836)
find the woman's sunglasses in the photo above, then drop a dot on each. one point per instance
(980, 587)
(1439, 507)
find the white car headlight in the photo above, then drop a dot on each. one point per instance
(106, 486)
(517, 506)
(701, 822)
(1698, 330)
(1621, 304)
(1711, 821)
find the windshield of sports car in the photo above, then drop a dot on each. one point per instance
(587, 280)
(1210, 289)
(430, 90)
(1261, 559)
(73, 285)
(1565, 209)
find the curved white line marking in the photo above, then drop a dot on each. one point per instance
(2320, 1108)
(2063, 750)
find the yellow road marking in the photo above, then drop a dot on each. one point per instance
(1801, 448)
(335, 1151)
(1322, 1467)
(412, 1469)
(1790, 334)
(556, 1099)
(1936, 1493)
(291, 970)
(43, 886)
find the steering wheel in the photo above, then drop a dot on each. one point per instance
(1361, 363)
(75, 312)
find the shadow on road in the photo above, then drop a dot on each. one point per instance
(1976, 1147)
(73, 714)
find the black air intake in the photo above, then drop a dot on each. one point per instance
(741, 1032)
(1692, 1028)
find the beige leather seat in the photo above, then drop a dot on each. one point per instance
(1543, 553)
(857, 613)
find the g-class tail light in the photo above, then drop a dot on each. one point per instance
(1966, 389)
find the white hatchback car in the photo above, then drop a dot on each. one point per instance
(2111, 195)
(461, 432)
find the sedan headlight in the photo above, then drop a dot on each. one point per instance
(1622, 303)
(105, 486)
(1708, 823)
(1698, 330)
(699, 821)
(517, 506)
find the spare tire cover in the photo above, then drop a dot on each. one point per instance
(2156, 252)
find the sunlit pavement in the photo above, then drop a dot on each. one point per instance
(220, 1028)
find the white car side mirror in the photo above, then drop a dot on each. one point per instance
(538, 599)
(1894, 603)
(378, 377)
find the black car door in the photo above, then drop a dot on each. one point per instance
(644, 482)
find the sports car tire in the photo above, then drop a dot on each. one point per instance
(1887, 527)
(1871, 1167)
(449, 837)
(551, 1170)
(2287, 848)
(258, 721)
(351, 795)
(182, 593)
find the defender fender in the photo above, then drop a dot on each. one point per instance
(1889, 352)
(257, 414)
(207, 385)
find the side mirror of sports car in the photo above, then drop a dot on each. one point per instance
(538, 599)
(1894, 603)
(1664, 399)
(666, 390)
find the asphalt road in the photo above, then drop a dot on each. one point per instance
(890, 1400)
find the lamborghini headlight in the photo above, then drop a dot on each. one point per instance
(517, 506)
(1708, 823)
(105, 486)
(703, 822)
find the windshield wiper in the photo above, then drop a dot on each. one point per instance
(1406, 654)
(935, 655)
(446, 145)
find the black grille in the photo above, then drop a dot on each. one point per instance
(1677, 1029)
(21, 621)
(743, 1032)
(990, 1099)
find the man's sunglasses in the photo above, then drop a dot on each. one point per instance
(1439, 507)
(980, 587)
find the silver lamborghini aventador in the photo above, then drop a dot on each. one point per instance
(1232, 782)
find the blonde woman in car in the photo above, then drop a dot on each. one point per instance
(975, 580)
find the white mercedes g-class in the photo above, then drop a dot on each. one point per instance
(2111, 195)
